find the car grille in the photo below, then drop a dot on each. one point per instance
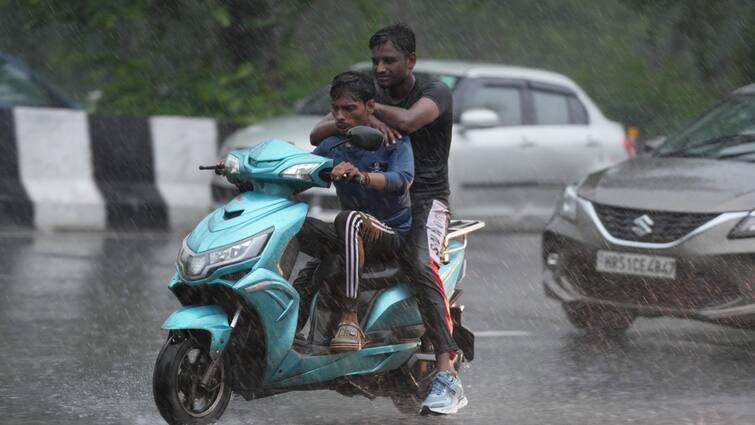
(667, 226)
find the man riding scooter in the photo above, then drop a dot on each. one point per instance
(373, 188)
(423, 109)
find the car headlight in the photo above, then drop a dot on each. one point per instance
(199, 265)
(300, 171)
(567, 208)
(745, 228)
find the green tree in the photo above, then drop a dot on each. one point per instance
(196, 57)
(654, 63)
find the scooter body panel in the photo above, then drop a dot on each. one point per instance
(396, 306)
(276, 304)
(283, 223)
(451, 272)
(210, 318)
(300, 370)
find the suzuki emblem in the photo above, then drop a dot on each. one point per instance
(643, 225)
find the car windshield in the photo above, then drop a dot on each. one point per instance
(727, 131)
(319, 102)
(17, 88)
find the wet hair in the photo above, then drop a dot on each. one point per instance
(354, 84)
(399, 34)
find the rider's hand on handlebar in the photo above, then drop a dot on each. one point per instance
(220, 168)
(345, 171)
(390, 135)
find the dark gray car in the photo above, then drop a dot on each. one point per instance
(668, 235)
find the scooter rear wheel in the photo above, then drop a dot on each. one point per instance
(179, 396)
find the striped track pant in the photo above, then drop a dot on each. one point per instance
(363, 236)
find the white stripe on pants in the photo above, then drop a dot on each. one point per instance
(354, 233)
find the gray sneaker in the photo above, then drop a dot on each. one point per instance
(446, 395)
(349, 337)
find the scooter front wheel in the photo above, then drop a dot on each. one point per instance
(179, 394)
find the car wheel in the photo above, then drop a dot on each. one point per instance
(597, 318)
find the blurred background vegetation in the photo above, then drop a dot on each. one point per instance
(653, 63)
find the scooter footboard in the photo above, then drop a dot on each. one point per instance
(210, 318)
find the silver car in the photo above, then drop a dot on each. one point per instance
(668, 235)
(520, 135)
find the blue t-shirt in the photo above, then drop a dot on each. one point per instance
(392, 206)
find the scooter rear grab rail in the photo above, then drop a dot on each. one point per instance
(458, 229)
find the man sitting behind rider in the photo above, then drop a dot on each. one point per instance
(373, 189)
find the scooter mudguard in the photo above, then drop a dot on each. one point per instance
(210, 318)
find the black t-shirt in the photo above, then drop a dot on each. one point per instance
(430, 143)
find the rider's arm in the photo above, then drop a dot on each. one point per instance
(375, 181)
(400, 173)
(324, 129)
(407, 121)
(390, 135)
(398, 176)
(435, 100)
(327, 127)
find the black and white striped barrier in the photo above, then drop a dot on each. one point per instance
(63, 169)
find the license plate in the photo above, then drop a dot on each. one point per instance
(636, 264)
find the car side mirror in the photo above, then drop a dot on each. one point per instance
(366, 138)
(479, 118)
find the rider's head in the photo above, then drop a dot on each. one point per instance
(393, 55)
(352, 99)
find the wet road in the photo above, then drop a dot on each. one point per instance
(80, 319)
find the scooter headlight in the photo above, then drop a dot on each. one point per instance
(199, 265)
(300, 171)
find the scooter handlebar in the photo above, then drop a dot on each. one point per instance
(219, 168)
(327, 175)
(356, 179)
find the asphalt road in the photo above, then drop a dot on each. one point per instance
(80, 319)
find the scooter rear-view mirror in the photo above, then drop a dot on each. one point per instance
(363, 137)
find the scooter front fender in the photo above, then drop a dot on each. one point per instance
(210, 318)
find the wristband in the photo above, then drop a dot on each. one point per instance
(365, 178)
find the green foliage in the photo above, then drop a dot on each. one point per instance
(651, 63)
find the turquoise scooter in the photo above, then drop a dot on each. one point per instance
(236, 331)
